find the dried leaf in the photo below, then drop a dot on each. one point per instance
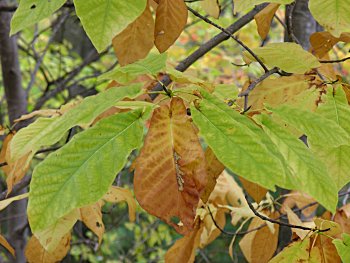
(264, 18)
(171, 19)
(91, 216)
(256, 191)
(327, 250)
(334, 228)
(6, 245)
(322, 42)
(295, 220)
(301, 200)
(170, 172)
(136, 40)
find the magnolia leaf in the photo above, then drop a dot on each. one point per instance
(322, 42)
(264, 18)
(30, 12)
(152, 64)
(103, 20)
(309, 173)
(117, 194)
(47, 131)
(319, 130)
(5, 203)
(35, 252)
(211, 7)
(296, 252)
(259, 246)
(91, 216)
(66, 172)
(289, 57)
(239, 144)
(6, 245)
(136, 40)
(343, 247)
(242, 5)
(171, 19)
(333, 15)
(170, 172)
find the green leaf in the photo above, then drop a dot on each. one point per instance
(47, 131)
(82, 171)
(103, 20)
(343, 247)
(152, 64)
(310, 174)
(289, 57)
(294, 253)
(333, 15)
(226, 92)
(242, 5)
(319, 130)
(30, 12)
(239, 144)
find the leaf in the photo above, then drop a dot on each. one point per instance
(327, 249)
(333, 15)
(242, 5)
(254, 190)
(295, 220)
(334, 228)
(91, 216)
(152, 64)
(259, 246)
(264, 18)
(319, 130)
(6, 245)
(289, 57)
(5, 203)
(296, 252)
(225, 92)
(30, 12)
(170, 172)
(214, 169)
(135, 41)
(301, 200)
(238, 143)
(309, 173)
(35, 253)
(117, 194)
(69, 179)
(322, 42)
(47, 131)
(211, 7)
(103, 20)
(171, 19)
(343, 247)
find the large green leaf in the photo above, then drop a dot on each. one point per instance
(242, 5)
(319, 130)
(30, 12)
(333, 15)
(104, 19)
(310, 173)
(289, 57)
(343, 247)
(82, 171)
(239, 144)
(47, 131)
(152, 64)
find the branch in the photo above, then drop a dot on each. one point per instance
(13, 8)
(334, 61)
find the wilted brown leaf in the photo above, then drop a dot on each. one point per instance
(295, 220)
(171, 19)
(264, 18)
(136, 40)
(91, 216)
(301, 200)
(170, 172)
(328, 252)
(322, 42)
(256, 191)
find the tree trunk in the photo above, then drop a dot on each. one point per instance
(16, 106)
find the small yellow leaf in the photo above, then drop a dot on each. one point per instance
(264, 18)
(334, 228)
(294, 220)
(211, 7)
(91, 216)
(6, 245)
(8, 201)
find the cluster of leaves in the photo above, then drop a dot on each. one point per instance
(175, 179)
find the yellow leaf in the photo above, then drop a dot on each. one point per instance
(136, 40)
(170, 172)
(294, 220)
(300, 200)
(117, 194)
(6, 245)
(171, 19)
(35, 252)
(91, 216)
(211, 7)
(264, 18)
(334, 228)
(8, 201)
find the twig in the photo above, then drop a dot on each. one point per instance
(334, 61)
(229, 34)
(13, 8)
(289, 19)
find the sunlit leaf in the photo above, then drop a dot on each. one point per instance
(343, 247)
(211, 7)
(264, 18)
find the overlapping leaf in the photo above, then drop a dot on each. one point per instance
(264, 18)
(70, 179)
(242, 5)
(322, 42)
(211, 7)
(170, 173)
(103, 20)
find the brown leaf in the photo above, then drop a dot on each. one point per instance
(322, 42)
(256, 191)
(295, 220)
(301, 200)
(342, 217)
(259, 246)
(214, 169)
(170, 172)
(91, 216)
(35, 253)
(264, 18)
(328, 252)
(6, 245)
(136, 40)
(171, 19)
